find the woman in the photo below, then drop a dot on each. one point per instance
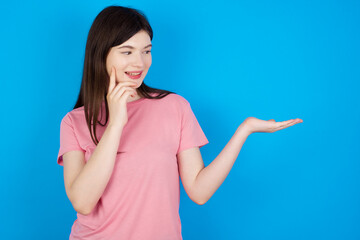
(125, 144)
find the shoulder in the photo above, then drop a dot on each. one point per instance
(177, 103)
(73, 116)
(175, 98)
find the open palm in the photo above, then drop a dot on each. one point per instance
(258, 125)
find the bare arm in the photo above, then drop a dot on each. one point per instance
(211, 177)
(85, 183)
(201, 182)
(86, 189)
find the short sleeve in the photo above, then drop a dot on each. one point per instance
(68, 140)
(191, 134)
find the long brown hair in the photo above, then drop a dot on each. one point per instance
(113, 26)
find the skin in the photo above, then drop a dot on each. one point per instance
(201, 182)
(128, 59)
(86, 182)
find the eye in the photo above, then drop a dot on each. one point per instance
(126, 53)
(147, 52)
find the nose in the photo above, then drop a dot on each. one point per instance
(138, 61)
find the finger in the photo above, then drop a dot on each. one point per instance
(132, 91)
(279, 125)
(121, 92)
(298, 120)
(126, 94)
(119, 86)
(112, 80)
(286, 124)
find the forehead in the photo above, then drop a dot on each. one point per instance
(139, 40)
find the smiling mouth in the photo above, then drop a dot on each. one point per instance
(134, 75)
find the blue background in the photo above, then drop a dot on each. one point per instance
(230, 60)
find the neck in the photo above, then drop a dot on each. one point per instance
(136, 97)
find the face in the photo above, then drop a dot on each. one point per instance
(130, 58)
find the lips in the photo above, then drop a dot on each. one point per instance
(138, 74)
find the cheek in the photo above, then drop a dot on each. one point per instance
(120, 67)
(149, 62)
(108, 66)
(110, 60)
(116, 61)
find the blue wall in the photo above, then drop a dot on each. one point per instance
(231, 60)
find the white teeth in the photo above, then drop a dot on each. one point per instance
(133, 74)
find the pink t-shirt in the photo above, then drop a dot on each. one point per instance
(141, 200)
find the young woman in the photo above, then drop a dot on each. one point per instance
(125, 144)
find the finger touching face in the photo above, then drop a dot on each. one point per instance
(131, 59)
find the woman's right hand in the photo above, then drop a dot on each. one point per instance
(118, 93)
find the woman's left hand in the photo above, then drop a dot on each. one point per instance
(253, 124)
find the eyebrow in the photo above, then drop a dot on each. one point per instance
(131, 47)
